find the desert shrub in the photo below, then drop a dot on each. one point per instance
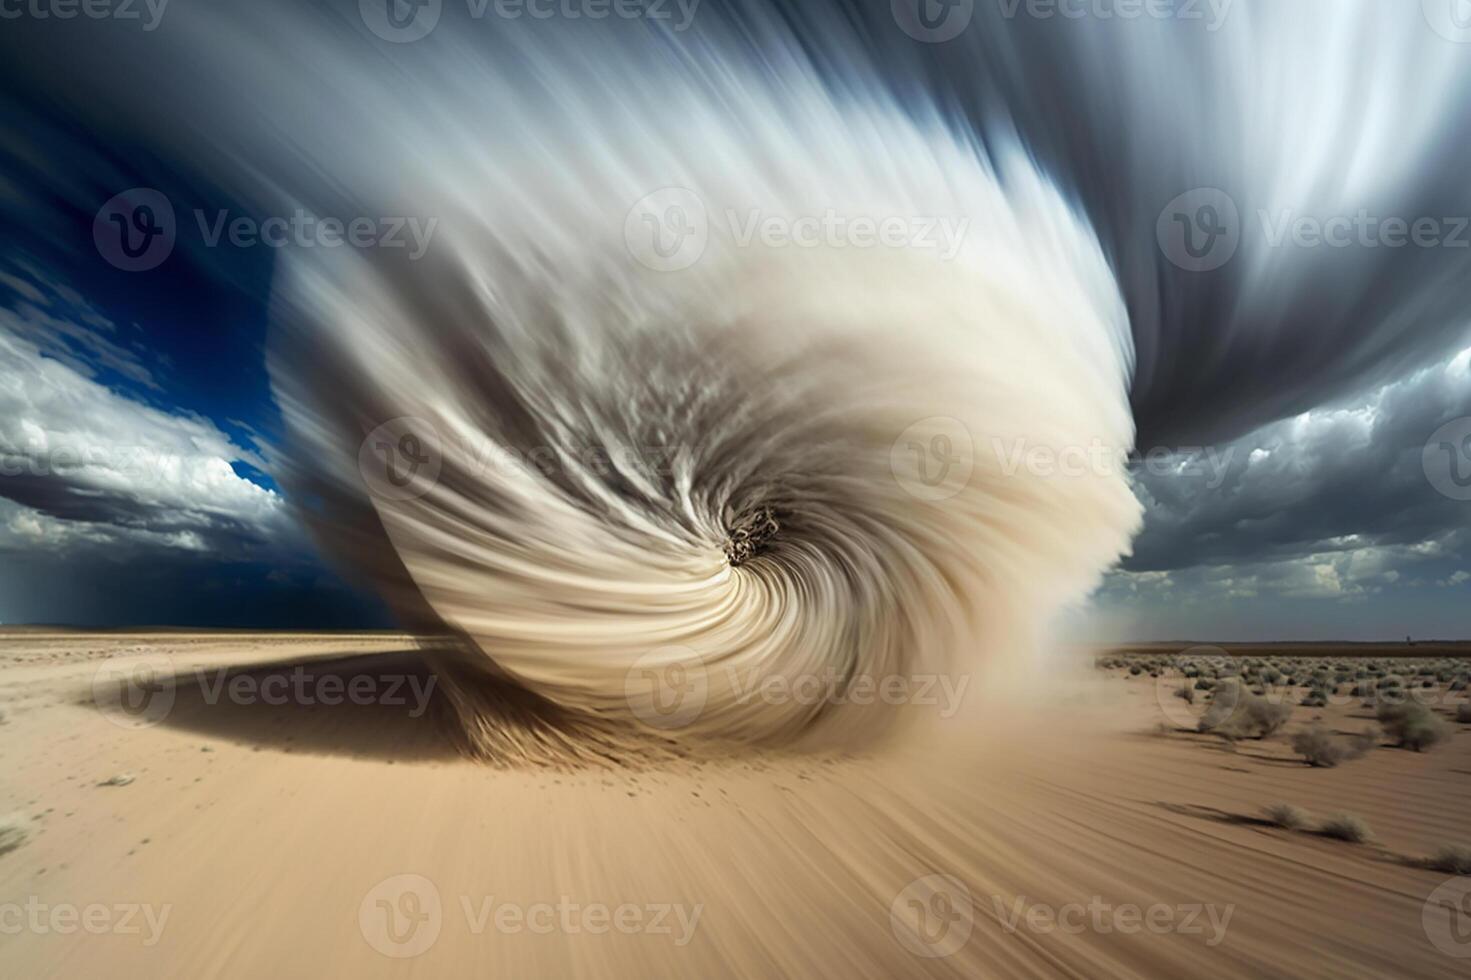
(1412, 726)
(1453, 859)
(1235, 712)
(14, 829)
(1463, 714)
(1204, 684)
(1319, 747)
(1286, 815)
(1186, 691)
(1135, 670)
(1346, 826)
(1317, 698)
(1271, 675)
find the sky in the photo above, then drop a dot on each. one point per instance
(1303, 475)
(137, 427)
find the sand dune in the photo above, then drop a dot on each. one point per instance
(312, 839)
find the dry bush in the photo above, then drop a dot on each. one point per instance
(1454, 859)
(1321, 748)
(1235, 712)
(1412, 725)
(1286, 816)
(14, 829)
(1346, 826)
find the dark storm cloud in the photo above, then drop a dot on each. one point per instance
(1318, 110)
(1128, 114)
(1340, 478)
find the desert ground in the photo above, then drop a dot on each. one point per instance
(1082, 829)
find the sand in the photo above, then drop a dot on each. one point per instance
(260, 840)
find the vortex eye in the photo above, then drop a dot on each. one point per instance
(749, 534)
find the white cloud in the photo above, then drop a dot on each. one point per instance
(83, 461)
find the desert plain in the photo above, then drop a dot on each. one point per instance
(296, 807)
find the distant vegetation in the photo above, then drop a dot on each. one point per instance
(1414, 700)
